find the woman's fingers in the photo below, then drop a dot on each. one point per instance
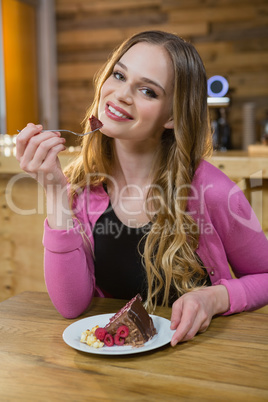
(176, 313)
(199, 325)
(190, 314)
(51, 166)
(30, 138)
(24, 136)
(33, 146)
(186, 326)
(37, 151)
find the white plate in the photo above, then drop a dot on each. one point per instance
(72, 335)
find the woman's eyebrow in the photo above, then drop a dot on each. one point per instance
(147, 80)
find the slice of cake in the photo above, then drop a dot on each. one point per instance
(95, 123)
(135, 317)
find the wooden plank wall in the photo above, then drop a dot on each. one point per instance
(230, 35)
(22, 214)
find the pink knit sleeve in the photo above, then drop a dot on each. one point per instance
(246, 247)
(235, 239)
(69, 270)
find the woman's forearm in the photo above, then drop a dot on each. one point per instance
(59, 214)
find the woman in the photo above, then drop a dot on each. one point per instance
(147, 213)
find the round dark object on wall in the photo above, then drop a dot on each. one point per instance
(217, 86)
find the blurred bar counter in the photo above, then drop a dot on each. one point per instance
(235, 164)
(10, 165)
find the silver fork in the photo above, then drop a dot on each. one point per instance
(69, 131)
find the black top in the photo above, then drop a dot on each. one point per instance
(118, 264)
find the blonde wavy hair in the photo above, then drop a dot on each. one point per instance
(169, 254)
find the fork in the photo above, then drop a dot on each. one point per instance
(69, 131)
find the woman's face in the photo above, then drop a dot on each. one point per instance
(136, 100)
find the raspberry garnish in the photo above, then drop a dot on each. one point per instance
(100, 333)
(108, 340)
(119, 340)
(122, 331)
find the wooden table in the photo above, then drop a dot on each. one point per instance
(229, 362)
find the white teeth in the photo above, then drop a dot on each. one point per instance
(114, 111)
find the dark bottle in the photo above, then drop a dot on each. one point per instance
(264, 130)
(221, 131)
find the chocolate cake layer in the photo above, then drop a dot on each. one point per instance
(136, 318)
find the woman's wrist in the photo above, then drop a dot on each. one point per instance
(216, 298)
(221, 299)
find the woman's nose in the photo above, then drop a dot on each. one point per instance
(124, 94)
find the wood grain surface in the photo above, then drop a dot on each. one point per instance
(229, 362)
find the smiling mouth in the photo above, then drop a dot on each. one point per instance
(118, 114)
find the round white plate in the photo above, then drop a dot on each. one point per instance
(72, 335)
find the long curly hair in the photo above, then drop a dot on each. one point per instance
(169, 248)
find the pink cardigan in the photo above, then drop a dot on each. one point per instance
(229, 234)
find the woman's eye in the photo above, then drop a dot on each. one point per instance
(118, 76)
(149, 92)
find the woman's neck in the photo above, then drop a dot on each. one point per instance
(132, 177)
(133, 164)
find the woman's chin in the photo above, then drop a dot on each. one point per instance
(107, 132)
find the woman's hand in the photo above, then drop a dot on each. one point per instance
(193, 312)
(37, 153)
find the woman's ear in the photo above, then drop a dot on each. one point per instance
(169, 124)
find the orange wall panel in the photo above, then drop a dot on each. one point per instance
(20, 64)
